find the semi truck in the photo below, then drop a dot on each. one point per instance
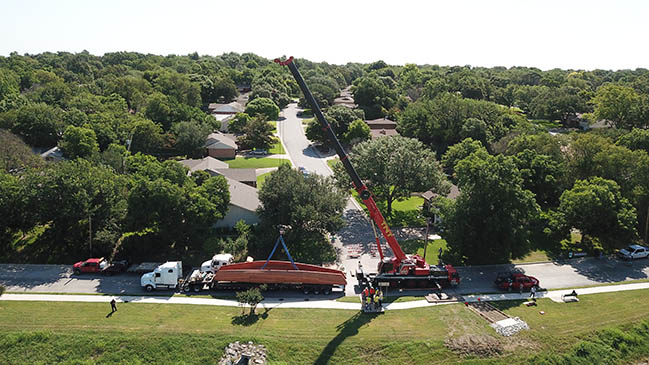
(165, 276)
(401, 270)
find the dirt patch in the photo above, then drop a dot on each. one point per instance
(483, 346)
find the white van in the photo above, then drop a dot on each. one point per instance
(165, 276)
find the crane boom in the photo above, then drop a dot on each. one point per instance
(362, 190)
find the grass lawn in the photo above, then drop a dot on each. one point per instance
(274, 124)
(261, 178)
(547, 123)
(152, 333)
(255, 162)
(405, 213)
(38, 332)
(277, 148)
(532, 256)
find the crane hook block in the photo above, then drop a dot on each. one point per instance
(284, 63)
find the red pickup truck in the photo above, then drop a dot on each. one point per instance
(99, 265)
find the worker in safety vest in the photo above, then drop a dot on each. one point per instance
(372, 291)
(379, 295)
(376, 302)
(368, 300)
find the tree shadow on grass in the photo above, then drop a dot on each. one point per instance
(249, 319)
(346, 329)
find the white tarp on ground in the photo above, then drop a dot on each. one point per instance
(510, 326)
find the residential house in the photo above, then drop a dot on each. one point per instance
(54, 154)
(220, 145)
(246, 176)
(225, 112)
(244, 201)
(346, 99)
(209, 164)
(382, 127)
(429, 197)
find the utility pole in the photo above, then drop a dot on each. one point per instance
(90, 233)
(646, 227)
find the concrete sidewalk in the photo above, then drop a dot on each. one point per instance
(554, 295)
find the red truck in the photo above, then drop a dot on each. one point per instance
(516, 281)
(99, 265)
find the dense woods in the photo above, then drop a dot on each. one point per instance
(122, 118)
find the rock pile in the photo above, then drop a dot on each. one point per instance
(510, 326)
(244, 353)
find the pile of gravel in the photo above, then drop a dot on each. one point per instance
(510, 326)
(244, 353)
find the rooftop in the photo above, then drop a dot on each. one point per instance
(220, 140)
(242, 195)
(207, 163)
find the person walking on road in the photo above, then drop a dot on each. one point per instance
(113, 306)
(533, 293)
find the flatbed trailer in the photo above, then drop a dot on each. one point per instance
(274, 274)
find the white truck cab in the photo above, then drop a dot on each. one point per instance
(165, 276)
(216, 262)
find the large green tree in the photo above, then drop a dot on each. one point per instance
(263, 106)
(490, 221)
(621, 106)
(597, 208)
(78, 142)
(311, 205)
(393, 168)
(190, 137)
(39, 124)
(374, 96)
(258, 133)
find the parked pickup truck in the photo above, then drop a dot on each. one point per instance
(515, 281)
(99, 265)
(633, 252)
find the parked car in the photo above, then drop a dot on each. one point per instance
(259, 152)
(514, 281)
(633, 252)
(99, 265)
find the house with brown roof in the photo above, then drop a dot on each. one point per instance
(382, 127)
(220, 145)
(429, 198)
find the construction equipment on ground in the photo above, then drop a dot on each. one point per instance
(401, 270)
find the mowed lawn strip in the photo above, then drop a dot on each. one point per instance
(292, 335)
(55, 332)
(255, 162)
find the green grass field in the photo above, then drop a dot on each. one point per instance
(277, 148)
(255, 162)
(55, 332)
(261, 178)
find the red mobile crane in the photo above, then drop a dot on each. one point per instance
(400, 270)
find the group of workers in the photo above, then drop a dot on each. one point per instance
(372, 298)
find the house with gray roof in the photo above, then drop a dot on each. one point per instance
(244, 201)
(205, 164)
(229, 108)
(220, 145)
